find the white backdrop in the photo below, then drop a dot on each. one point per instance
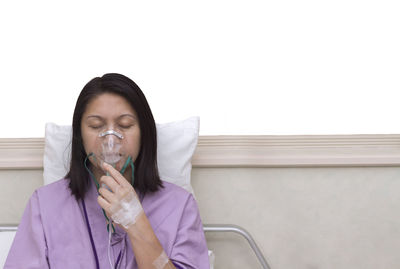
(244, 67)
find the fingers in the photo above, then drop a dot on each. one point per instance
(103, 203)
(107, 195)
(115, 174)
(110, 182)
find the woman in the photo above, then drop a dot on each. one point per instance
(111, 210)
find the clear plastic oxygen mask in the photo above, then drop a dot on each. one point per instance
(109, 149)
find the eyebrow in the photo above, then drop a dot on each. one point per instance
(119, 117)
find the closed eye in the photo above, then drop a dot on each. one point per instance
(125, 126)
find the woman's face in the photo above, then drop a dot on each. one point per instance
(105, 112)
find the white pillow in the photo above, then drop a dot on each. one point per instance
(176, 142)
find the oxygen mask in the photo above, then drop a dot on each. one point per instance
(109, 150)
(110, 147)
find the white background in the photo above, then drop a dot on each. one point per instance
(244, 67)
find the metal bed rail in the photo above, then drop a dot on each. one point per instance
(239, 230)
(207, 228)
(8, 228)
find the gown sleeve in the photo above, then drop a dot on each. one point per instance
(190, 247)
(29, 249)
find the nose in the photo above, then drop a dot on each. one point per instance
(109, 142)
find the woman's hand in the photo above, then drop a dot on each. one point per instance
(124, 208)
(121, 204)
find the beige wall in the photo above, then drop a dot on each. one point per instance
(304, 217)
(305, 214)
(17, 187)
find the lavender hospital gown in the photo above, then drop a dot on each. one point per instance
(55, 232)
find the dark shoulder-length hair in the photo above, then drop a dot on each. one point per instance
(146, 171)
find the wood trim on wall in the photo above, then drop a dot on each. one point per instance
(21, 153)
(298, 151)
(249, 151)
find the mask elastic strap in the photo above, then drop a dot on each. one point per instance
(129, 162)
(90, 172)
(126, 164)
(133, 173)
(97, 186)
